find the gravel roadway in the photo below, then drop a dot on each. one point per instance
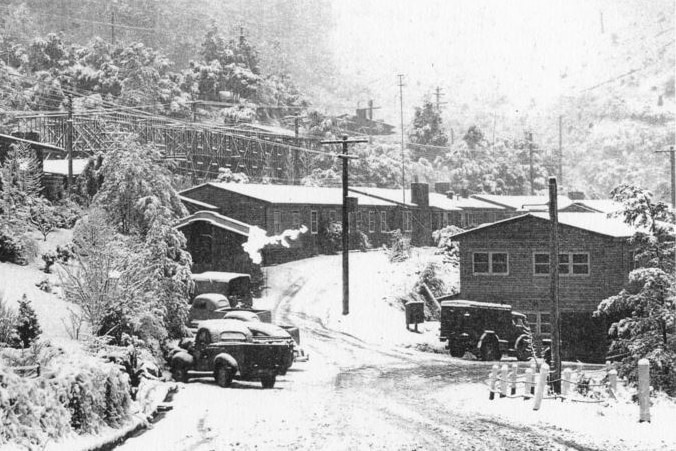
(350, 395)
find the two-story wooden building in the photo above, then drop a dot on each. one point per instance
(508, 262)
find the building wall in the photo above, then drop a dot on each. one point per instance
(216, 249)
(579, 295)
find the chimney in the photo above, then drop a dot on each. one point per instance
(464, 193)
(576, 195)
(420, 194)
(442, 187)
(450, 194)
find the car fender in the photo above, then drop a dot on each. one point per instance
(487, 335)
(227, 359)
(181, 359)
(520, 339)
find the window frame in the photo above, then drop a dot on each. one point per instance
(407, 221)
(277, 222)
(295, 219)
(314, 222)
(332, 216)
(383, 222)
(490, 263)
(372, 221)
(570, 264)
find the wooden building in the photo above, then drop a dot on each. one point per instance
(508, 262)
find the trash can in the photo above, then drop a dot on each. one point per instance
(415, 313)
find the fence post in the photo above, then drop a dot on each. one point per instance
(540, 388)
(530, 386)
(503, 380)
(512, 380)
(534, 370)
(644, 389)
(494, 378)
(565, 382)
(612, 380)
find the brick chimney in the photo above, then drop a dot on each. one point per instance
(450, 194)
(442, 187)
(420, 194)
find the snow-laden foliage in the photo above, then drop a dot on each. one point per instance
(258, 240)
(74, 393)
(27, 325)
(643, 313)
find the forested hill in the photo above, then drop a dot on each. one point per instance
(290, 36)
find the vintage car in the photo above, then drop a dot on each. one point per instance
(216, 306)
(486, 330)
(235, 286)
(227, 349)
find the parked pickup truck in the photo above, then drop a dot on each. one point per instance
(227, 349)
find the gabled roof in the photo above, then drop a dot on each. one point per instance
(600, 205)
(523, 203)
(294, 194)
(217, 220)
(202, 205)
(598, 223)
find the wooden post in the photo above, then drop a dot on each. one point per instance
(612, 380)
(512, 379)
(565, 382)
(530, 384)
(540, 388)
(69, 143)
(554, 284)
(644, 390)
(504, 374)
(493, 378)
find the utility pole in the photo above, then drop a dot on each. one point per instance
(346, 223)
(529, 138)
(554, 285)
(673, 174)
(112, 26)
(561, 150)
(69, 142)
(438, 94)
(401, 108)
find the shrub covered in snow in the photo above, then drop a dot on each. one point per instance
(74, 393)
(27, 326)
(400, 246)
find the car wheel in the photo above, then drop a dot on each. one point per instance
(268, 381)
(457, 351)
(524, 351)
(490, 351)
(179, 374)
(223, 376)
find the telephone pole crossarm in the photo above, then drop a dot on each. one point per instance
(345, 223)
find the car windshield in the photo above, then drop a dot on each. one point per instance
(232, 336)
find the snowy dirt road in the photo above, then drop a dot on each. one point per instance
(352, 394)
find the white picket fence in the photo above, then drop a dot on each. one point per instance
(510, 382)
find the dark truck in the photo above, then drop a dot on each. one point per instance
(228, 349)
(486, 330)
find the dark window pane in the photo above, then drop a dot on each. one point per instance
(563, 269)
(580, 269)
(481, 257)
(545, 328)
(500, 268)
(541, 258)
(481, 267)
(564, 258)
(580, 258)
(544, 317)
(542, 269)
(501, 258)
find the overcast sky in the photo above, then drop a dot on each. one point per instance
(517, 48)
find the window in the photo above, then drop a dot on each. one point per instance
(383, 221)
(633, 263)
(445, 219)
(408, 224)
(332, 216)
(277, 222)
(570, 263)
(295, 219)
(490, 263)
(372, 221)
(359, 224)
(314, 221)
(540, 323)
(470, 220)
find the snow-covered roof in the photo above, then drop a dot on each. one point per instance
(600, 205)
(61, 166)
(592, 222)
(198, 203)
(296, 194)
(217, 220)
(218, 276)
(525, 203)
(436, 200)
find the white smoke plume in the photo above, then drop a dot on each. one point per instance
(258, 240)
